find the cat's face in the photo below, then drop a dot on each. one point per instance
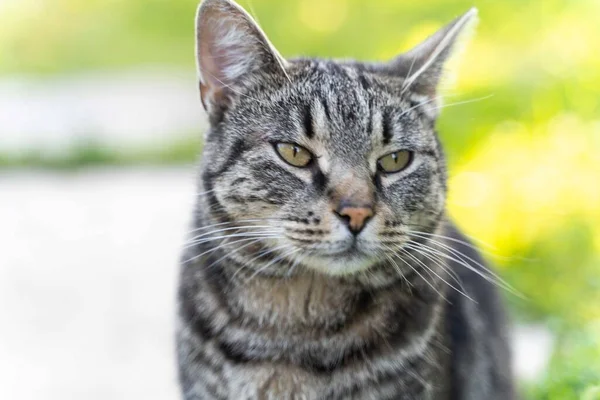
(334, 162)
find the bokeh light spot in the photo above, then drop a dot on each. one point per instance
(323, 16)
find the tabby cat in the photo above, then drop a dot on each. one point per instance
(321, 263)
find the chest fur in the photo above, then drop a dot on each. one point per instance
(422, 381)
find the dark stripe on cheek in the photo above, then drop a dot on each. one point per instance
(319, 180)
(279, 183)
(308, 122)
(377, 182)
(236, 150)
(326, 109)
(215, 206)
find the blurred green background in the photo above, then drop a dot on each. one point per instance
(524, 148)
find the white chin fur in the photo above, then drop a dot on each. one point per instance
(339, 266)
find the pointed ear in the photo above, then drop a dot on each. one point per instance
(230, 48)
(423, 66)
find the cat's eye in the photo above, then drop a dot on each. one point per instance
(394, 162)
(293, 154)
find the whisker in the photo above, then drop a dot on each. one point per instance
(264, 234)
(281, 257)
(415, 270)
(429, 271)
(398, 270)
(212, 191)
(429, 100)
(261, 254)
(229, 229)
(444, 266)
(491, 278)
(436, 274)
(479, 241)
(457, 253)
(297, 261)
(222, 245)
(479, 248)
(406, 83)
(233, 222)
(227, 255)
(463, 102)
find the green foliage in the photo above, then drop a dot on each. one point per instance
(574, 371)
(89, 154)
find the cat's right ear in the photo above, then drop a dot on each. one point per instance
(423, 66)
(230, 49)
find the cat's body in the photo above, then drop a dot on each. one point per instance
(311, 338)
(319, 267)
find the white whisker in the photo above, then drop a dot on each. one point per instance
(261, 254)
(232, 222)
(264, 234)
(392, 250)
(462, 102)
(276, 259)
(492, 277)
(228, 229)
(429, 271)
(418, 273)
(227, 255)
(435, 273)
(222, 245)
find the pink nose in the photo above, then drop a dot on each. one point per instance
(355, 217)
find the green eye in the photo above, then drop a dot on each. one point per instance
(294, 154)
(394, 162)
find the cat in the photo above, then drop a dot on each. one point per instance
(321, 263)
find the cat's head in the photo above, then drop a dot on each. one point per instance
(333, 163)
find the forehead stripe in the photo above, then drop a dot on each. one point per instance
(388, 131)
(307, 120)
(325, 109)
(370, 122)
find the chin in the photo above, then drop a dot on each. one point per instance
(342, 264)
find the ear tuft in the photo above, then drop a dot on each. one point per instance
(230, 48)
(423, 66)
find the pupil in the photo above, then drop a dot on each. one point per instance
(295, 151)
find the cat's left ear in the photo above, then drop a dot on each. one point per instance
(423, 66)
(231, 49)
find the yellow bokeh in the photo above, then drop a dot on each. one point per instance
(523, 181)
(322, 16)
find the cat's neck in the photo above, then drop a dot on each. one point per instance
(306, 299)
(311, 301)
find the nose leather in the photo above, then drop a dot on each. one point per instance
(355, 217)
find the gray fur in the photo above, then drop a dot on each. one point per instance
(277, 299)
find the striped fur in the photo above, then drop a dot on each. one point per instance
(277, 299)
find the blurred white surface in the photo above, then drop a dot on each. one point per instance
(532, 348)
(88, 264)
(88, 267)
(123, 110)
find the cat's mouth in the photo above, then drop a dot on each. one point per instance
(344, 261)
(350, 253)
